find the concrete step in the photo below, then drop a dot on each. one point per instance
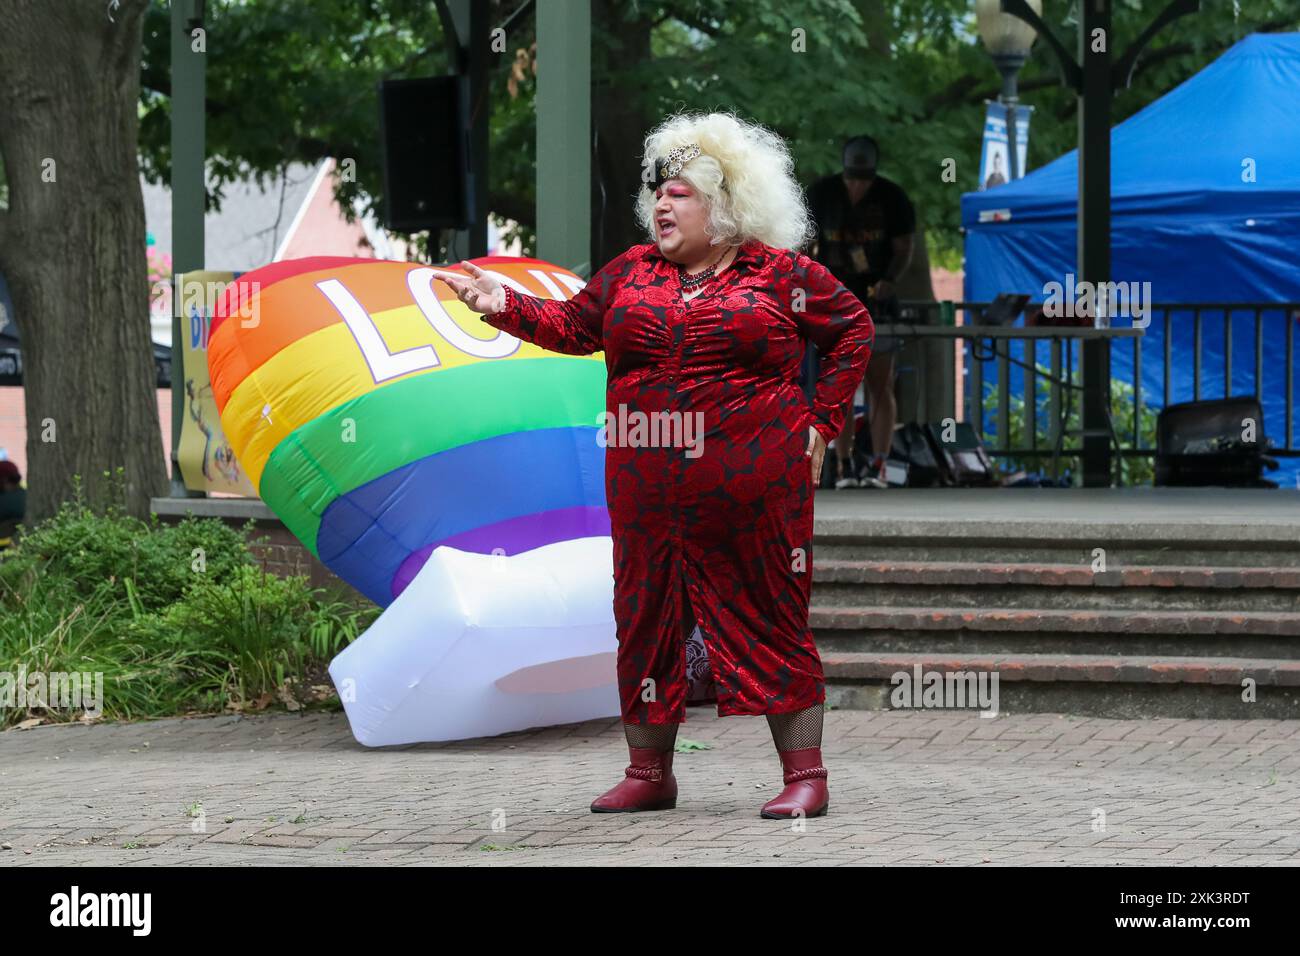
(1001, 620)
(971, 584)
(1087, 668)
(921, 531)
(1200, 584)
(1102, 685)
(889, 641)
(1078, 552)
(1172, 634)
(1135, 527)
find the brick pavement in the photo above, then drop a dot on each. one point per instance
(919, 787)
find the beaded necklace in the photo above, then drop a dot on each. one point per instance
(690, 282)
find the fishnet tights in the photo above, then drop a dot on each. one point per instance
(798, 729)
(651, 736)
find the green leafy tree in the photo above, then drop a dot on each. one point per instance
(911, 72)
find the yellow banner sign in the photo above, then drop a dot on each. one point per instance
(206, 460)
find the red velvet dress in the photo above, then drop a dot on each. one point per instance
(726, 520)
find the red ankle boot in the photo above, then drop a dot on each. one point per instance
(649, 785)
(805, 792)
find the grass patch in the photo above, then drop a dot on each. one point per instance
(173, 619)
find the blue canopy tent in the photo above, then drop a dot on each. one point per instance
(1205, 206)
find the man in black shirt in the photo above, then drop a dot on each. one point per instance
(865, 224)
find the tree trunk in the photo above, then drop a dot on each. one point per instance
(72, 246)
(620, 124)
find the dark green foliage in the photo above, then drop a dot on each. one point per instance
(177, 618)
(912, 72)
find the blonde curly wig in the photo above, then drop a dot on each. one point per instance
(745, 175)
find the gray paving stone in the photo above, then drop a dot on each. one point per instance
(914, 788)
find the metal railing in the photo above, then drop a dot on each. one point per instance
(1265, 325)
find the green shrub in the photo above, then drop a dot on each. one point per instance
(256, 630)
(177, 618)
(88, 551)
(1134, 470)
(43, 631)
(257, 624)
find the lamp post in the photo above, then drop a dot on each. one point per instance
(1007, 40)
(189, 192)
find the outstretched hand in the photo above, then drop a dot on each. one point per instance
(479, 291)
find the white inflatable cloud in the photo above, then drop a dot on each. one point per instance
(482, 644)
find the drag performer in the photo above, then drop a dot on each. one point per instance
(709, 321)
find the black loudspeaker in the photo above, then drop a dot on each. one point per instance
(424, 130)
(1204, 443)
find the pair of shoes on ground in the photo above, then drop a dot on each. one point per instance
(649, 784)
(873, 476)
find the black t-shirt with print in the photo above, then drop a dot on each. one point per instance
(882, 214)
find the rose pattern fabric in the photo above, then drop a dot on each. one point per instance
(731, 527)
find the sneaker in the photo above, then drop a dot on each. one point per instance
(874, 475)
(846, 479)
